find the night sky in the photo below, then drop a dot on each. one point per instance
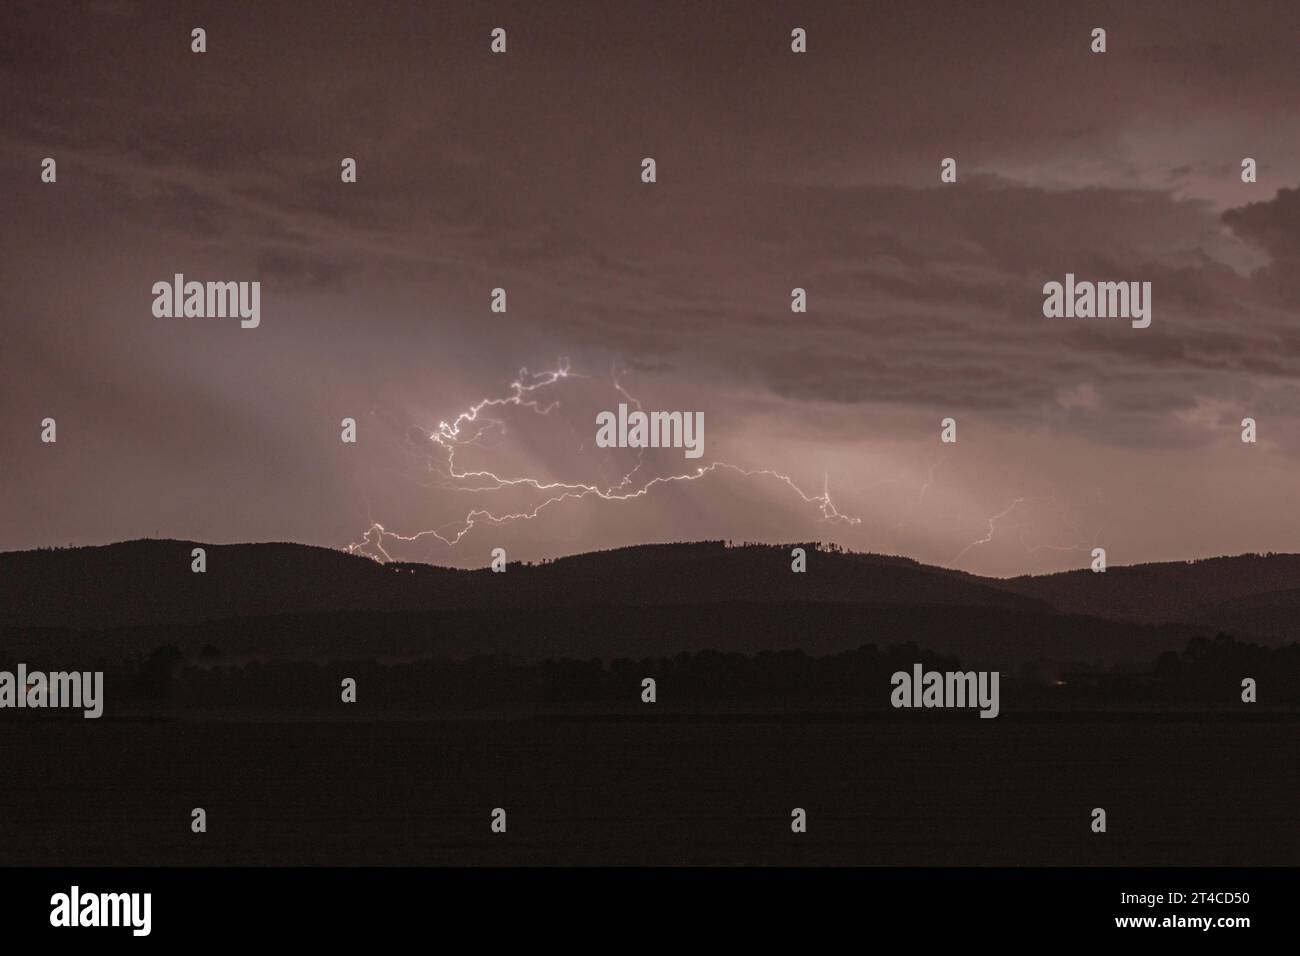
(775, 170)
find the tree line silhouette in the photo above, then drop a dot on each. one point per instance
(1206, 672)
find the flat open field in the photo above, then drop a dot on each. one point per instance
(1218, 790)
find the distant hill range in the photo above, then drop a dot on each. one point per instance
(288, 600)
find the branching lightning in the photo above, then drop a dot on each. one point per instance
(991, 532)
(535, 392)
(529, 391)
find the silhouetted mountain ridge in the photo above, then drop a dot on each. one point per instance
(151, 582)
(313, 603)
(1222, 591)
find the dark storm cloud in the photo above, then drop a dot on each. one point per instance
(1274, 224)
(775, 171)
(915, 301)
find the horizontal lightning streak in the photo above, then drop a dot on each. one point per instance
(1020, 534)
(469, 426)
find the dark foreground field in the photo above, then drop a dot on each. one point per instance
(1215, 790)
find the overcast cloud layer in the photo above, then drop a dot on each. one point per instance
(774, 170)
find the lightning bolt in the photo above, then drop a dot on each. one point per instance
(912, 507)
(471, 426)
(1020, 534)
(992, 529)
